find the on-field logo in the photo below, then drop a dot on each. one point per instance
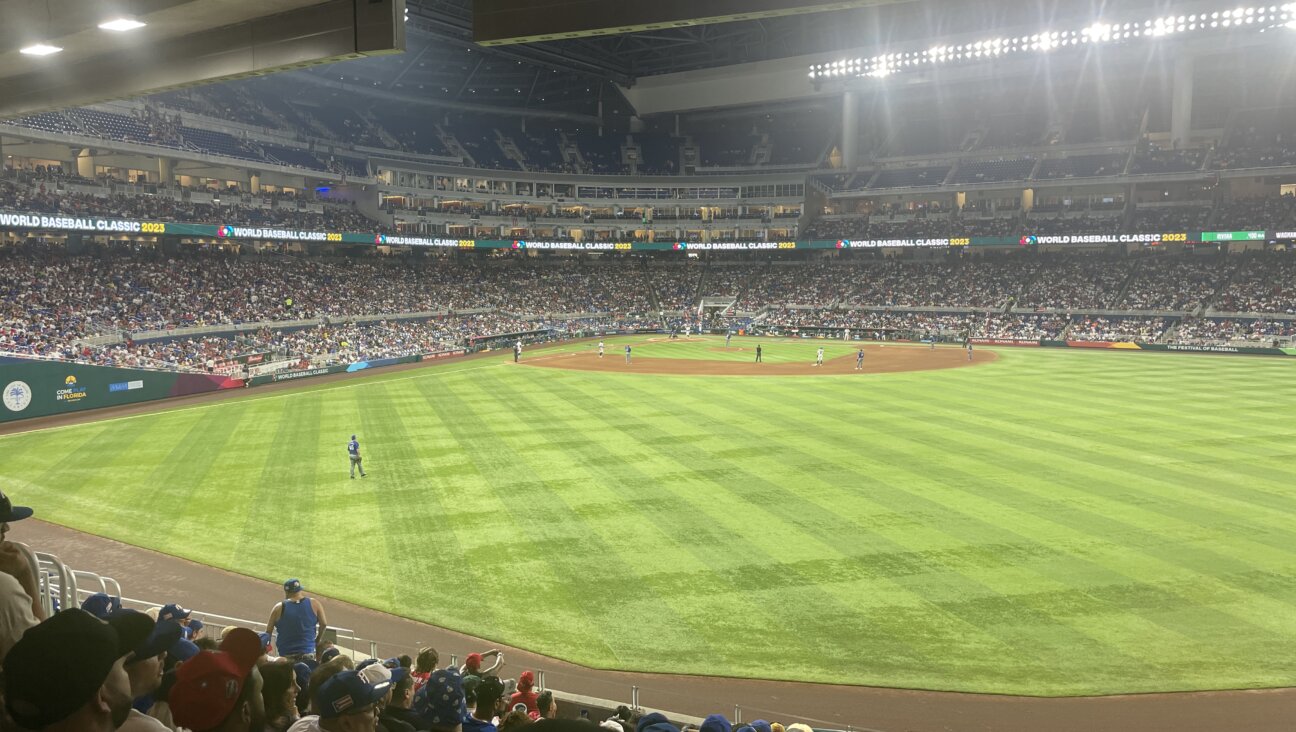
(17, 396)
(223, 231)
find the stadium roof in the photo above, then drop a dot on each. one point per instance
(57, 53)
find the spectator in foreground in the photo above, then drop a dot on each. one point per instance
(398, 706)
(473, 663)
(20, 606)
(515, 720)
(546, 706)
(66, 675)
(346, 703)
(101, 605)
(489, 705)
(279, 694)
(525, 693)
(144, 665)
(176, 614)
(298, 622)
(215, 692)
(440, 704)
(424, 665)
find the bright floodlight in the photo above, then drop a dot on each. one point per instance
(121, 24)
(40, 49)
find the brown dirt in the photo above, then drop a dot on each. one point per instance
(878, 359)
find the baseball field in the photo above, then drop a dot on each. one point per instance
(1045, 522)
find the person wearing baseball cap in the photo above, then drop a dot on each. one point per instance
(20, 606)
(144, 664)
(298, 622)
(526, 693)
(490, 703)
(101, 605)
(66, 674)
(215, 692)
(176, 614)
(347, 702)
(439, 703)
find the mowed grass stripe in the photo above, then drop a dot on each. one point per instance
(762, 576)
(1194, 528)
(828, 528)
(840, 631)
(516, 485)
(1224, 628)
(953, 582)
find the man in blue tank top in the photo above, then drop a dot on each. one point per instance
(298, 623)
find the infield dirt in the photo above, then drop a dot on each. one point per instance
(878, 359)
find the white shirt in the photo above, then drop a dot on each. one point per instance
(308, 723)
(15, 612)
(137, 722)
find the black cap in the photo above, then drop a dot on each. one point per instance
(58, 666)
(142, 636)
(10, 512)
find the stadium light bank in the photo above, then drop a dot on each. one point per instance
(1259, 18)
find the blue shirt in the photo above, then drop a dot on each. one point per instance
(297, 626)
(627, 349)
(353, 448)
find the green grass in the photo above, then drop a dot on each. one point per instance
(1057, 522)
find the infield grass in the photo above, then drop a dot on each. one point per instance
(1054, 523)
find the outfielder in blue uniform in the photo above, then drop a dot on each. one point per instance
(353, 451)
(627, 354)
(859, 360)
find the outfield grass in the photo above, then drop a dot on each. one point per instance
(1057, 522)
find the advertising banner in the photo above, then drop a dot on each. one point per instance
(36, 388)
(1006, 342)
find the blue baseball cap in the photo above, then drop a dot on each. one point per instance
(716, 723)
(292, 585)
(441, 702)
(347, 692)
(173, 612)
(649, 720)
(101, 605)
(182, 650)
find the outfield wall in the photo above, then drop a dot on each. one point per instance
(43, 388)
(1141, 346)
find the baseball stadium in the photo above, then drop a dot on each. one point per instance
(740, 366)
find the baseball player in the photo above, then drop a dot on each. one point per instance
(728, 337)
(353, 451)
(627, 353)
(517, 351)
(819, 357)
(932, 342)
(969, 347)
(758, 353)
(687, 330)
(859, 359)
(600, 349)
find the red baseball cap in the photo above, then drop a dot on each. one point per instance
(244, 645)
(473, 660)
(207, 688)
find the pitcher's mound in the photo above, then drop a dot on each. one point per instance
(878, 359)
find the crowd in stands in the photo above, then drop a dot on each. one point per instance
(1261, 285)
(132, 299)
(1180, 284)
(1117, 329)
(101, 667)
(1226, 330)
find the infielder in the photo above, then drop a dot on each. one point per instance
(353, 451)
(517, 351)
(819, 357)
(600, 349)
(758, 353)
(728, 337)
(969, 347)
(627, 353)
(859, 360)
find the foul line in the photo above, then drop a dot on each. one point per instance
(231, 402)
